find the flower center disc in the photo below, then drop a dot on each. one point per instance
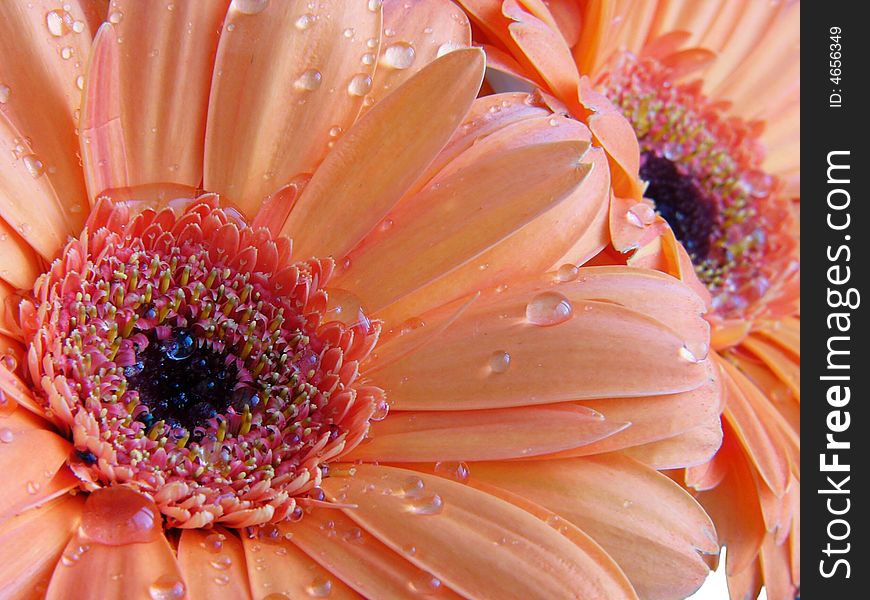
(188, 358)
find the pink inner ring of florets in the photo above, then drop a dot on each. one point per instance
(121, 294)
(738, 250)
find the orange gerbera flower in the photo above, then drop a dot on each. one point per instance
(431, 398)
(712, 91)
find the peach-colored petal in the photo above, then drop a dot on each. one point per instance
(212, 562)
(646, 522)
(693, 447)
(9, 299)
(364, 175)
(20, 264)
(53, 43)
(595, 21)
(31, 544)
(776, 568)
(564, 15)
(360, 560)
(415, 35)
(284, 78)
(34, 454)
(483, 434)
(601, 340)
(461, 216)
(761, 443)
(35, 205)
(544, 46)
(276, 566)
(143, 119)
(652, 418)
(682, 15)
(729, 333)
(14, 389)
(95, 570)
(477, 544)
(785, 366)
(746, 583)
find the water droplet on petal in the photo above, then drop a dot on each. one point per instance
(115, 17)
(309, 81)
(368, 58)
(80, 82)
(382, 409)
(549, 308)
(426, 504)
(6, 435)
(348, 33)
(360, 85)
(320, 587)
(118, 515)
(424, 583)
(688, 355)
(448, 47)
(499, 361)
(33, 487)
(250, 7)
(58, 22)
(399, 55)
(641, 214)
(5, 91)
(167, 587)
(374, 4)
(213, 542)
(457, 471)
(566, 273)
(222, 562)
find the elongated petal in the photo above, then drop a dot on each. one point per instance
(31, 544)
(114, 572)
(586, 356)
(466, 527)
(39, 137)
(415, 35)
(147, 93)
(20, 263)
(647, 523)
(364, 175)
(284, 77)
(360, 560)
(212, 562)
(484, 434)
(458, 218)
(34, 454)
(280, 567)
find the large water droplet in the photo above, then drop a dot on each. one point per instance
(167, 587)
(425, 504)
(424, 583)
(567, 272)
(58, 22)
(346, 307)
(118, 515)
(457, 471)
(320, 587)
(309, 81)
(6, 435)
(250, 7)
(33, 165)
(360, 85)
(213, 542)
(499, 361)
(549, 308)
(399, 55)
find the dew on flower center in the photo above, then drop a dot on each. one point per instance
(191, 360)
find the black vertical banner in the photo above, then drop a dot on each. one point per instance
(835, 421)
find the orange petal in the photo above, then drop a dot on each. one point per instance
(364, 176)
(483, 434)
(646, 522)
(143, 119)
(545, 47)
(652, 418)
(601, 341)
(13, 388)
(360, 560)
(279, 567)
(415, 35)
(776, 568)
(20, 264)
(40, 162)
(34, 454)
(686, 449)
(476, 543)
(785, 366)
(284, 78)
(95, 570)
(760, 442)
(212, 562)
(461, 216)
(31, 544)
